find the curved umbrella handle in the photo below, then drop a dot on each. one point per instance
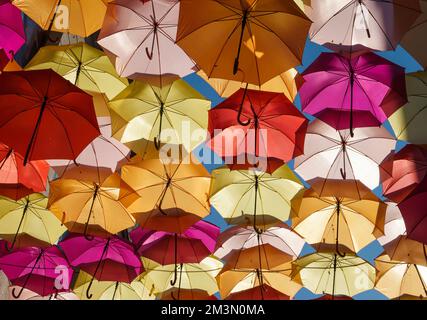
(342, 255)
(239, 114)
(17, 296)
(343, 174)
(86, 235)
(88, 294)
(175, 276)
(148, 53)
(157, 143)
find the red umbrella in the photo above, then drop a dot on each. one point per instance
(401, 172)
(17, 180)
(257, 123)
(43, 116)
(414, 213)
(263, 292)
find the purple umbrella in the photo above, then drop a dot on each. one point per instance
(353, 92)
(12, 35)
(44, 271)
(110, 259)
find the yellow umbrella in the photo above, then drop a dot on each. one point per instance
(167, 196)
(408, 122)
(192, 276)
(328, 273)
(110, 290)
(250, 197)
(340, 214)
(91, 208)
(27, 222)
(175, 113)
(79, 17)
(396, 279)
(287, 83)
(86, 67)
(407, 250)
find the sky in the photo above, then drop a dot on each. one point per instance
(311, 52)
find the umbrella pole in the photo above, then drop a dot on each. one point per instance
(236, 60)
(49, 29)
(88, 294)
(334, 277)
(115, 290)
(258, 231)
(33, 136)
(8, 154)
(259, 271)
(343, 170)
(168, 183)
(352, 79)
(157, 141)
(337, 251)
(155, 30)
(175, 274)
(16, 296)
(95, 193)
(421, 278)
(19, 227)
(368, 32)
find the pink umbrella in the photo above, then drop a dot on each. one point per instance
(105, 153)
(38, 270)
(110, 259)
(148, 31)
(351, 93)
(12, 35)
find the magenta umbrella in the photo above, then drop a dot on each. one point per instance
(38, 270)
(353, 92)
(12, 35)
(192, 246)
(110, 259)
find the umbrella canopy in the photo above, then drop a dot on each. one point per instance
(170, 114)
(251, 198)
(84, 66)
(27, 222)
(18, 180)
(12, 35)
(43, 116)
(408, 122)
(287, 83)
(192, 246)
(168, 196)
(348, 23)
(394, 224)
(326, 272)
(402, 171)
(255, 268)
(36, 269)
(407, 250)
(186, 294)
(340, 214)
(111, 290)
(240, 238)
(239, 41)
(332, 154)
(149, 30)
(91, 208)
(4, 59)
(264, 124)
(109, 259)
(411, 41)
(414, 213)
(264, 293)
(396, 279)
(79, 17)
(348, 93)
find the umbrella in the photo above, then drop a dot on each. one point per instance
(396, 279)
(394, 224)
(149, 31)
(186, 294)
(349, 23)
(242, 41)
(287, 83)
(79, 17)
(259, 123)
(38, 270)
(192, 276)
(326, 272)
(408, 121)
(12, 35)
(109, 259)
(111, 290)
(264, 293)
(44, 116)
(414, 213)
(31, 295)
(101, 158)
(84, 66)
(348, 93)
(402, 171)
(27, 222)
(411, 40)
(251, 197)
(240, 238)
(173, 113)
(333, 154)
(91, 208)
(340, 214)
(168, 196)
(18, 180)
(256, 268)
(407, 250)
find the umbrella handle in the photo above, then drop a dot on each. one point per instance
(9, 249)
(86, 235)
(343, 174)
(239, 115)
(88, 294)
(149, 54)
(175, 276)
(155, 27)
(16, 296)
(157, 143)
(63, 218)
